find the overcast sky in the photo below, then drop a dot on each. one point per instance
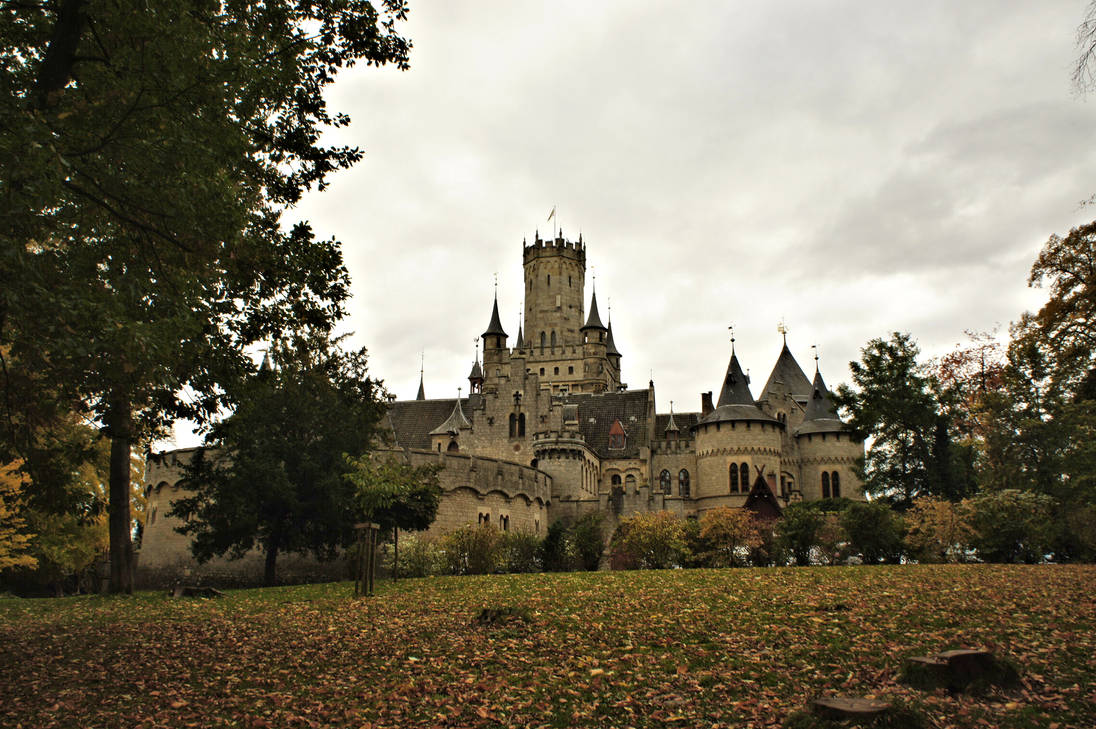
(854, 168)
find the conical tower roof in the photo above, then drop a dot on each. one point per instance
(520, 344)
(454, 422)
(495, 327)
(735, 400)
(477, 371)
(594, 320)
(422, 392)
(821, 414)
(788, 371)
(610, 345)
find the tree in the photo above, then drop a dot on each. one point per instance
(14, 540)
(587, 536)
(395, 495)
(874, 531)
(896, 403)
(797, 530)
(731, 534)
(146, 159)
(1012, 526)
(273, 473)
(649, 541)
(939, 530)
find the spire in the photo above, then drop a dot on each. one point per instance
(454, 423)
(821, 405)
(520, 344)
(266, 367)
(594, 320)
(475, 377)
(610, 345)
(495, 327)
(736, 386)
(672, 426)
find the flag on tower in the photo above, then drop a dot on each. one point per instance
(552, 214)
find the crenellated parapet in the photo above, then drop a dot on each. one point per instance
(557, 248)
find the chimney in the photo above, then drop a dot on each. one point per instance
(706, 403)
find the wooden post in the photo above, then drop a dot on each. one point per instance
(366, 570)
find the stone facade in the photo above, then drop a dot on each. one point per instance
(550, 432)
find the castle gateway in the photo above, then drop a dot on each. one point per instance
(548, 431)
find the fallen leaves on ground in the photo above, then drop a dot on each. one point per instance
(735, 647)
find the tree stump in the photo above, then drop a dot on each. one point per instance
(959, 670)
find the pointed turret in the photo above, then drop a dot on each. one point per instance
(454, 423)
(671, 426)
(610, 345)
(495, 327)
(788, 372)
(594, 320)
(422, 392)
(735, 400)
(821, 415)
(520, 344)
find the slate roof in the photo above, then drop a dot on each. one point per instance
(477, 372)
(735, 400)
(597, 412)
(683, 421)
(788, 371)
(422, 392)
(454, 423)
(412, 420)
(610, 345)
(821, 415)
(495, 327)
(594, 320)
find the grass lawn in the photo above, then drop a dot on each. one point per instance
(682, 648)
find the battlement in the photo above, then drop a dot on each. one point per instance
(539, 248)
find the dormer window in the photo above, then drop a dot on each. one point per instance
(617, 436)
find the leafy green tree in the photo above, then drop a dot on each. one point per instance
(558, 548)
(146, 160)
(896, 403)
(273, 473)
(395, 495)
(874, 530)
(587, 535)
(797, 530)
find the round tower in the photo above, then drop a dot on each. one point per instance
(555, 273)
(828, 450)
(735, 443)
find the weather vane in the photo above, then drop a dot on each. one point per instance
(783, 329)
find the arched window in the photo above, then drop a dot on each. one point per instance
(683, 482)
(453, 447)
(554, 341)
(664, 481)
(521, 425)
(630, 483)
(835, 485)
(825, 485)
(734, 478)
(615, 480)
(543, 341)
(549, 279)
(513, 425)
(744, 474)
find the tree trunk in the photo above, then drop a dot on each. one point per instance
(120, 430)
(270, 574)
(396, 553)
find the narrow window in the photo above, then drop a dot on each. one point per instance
(825, 485)
(664, 481)
(570, 370)
(549, 279)
(744, 472)
(683, 483)
(513, 425)
(543, 341)
(553, 340)
(555, 370)
(568, 282)
(835, 485)
(453, 447)
(541, 370)
(734, 478)
(152, 517)
(521, 425)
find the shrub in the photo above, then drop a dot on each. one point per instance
(420, 557)
(649, 541)
(557, 550)
(522, 551)
(1012, 525)
(938, 530)
(587, 535)
(797, 531)
(832, 542)
(473, 550)
(730, 534)
(874, 531)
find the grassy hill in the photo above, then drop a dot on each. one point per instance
(681, 648)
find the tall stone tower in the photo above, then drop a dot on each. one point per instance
(555, 275)
(558, 347)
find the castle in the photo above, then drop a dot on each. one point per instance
(548, 431)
